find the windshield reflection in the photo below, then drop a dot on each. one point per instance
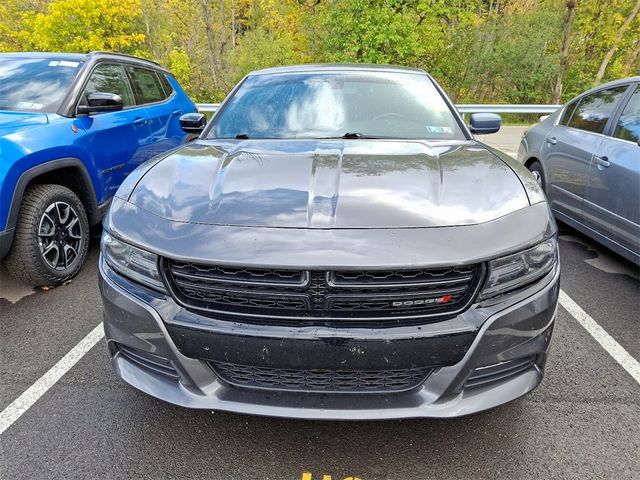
(332, 105)
(35, 84)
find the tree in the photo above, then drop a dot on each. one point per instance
(371, 31)
(273, 35)
(505, 51)
(85, 25)
(616, 42)
(564, 55)
(12, 22)
(633, 59)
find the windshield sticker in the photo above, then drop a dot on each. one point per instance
(63, 63)
(439, 130)
(30, 106)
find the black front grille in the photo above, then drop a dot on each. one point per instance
(239, 274)
(326, 295)
(357, 381)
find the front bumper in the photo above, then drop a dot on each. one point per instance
(514, 328)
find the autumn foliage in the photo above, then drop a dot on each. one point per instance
(511, 51)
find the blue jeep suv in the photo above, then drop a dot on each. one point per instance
(72, 127)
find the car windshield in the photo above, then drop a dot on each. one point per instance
(35, 84)
(360, 104)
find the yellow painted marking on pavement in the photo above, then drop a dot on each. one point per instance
(309, 476)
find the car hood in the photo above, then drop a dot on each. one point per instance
(321, 184)
(13, 122)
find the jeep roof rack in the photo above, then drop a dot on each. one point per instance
(125, 55)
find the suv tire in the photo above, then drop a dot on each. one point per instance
(52, 236)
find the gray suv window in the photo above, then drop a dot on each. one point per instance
(568, 111)
(108, 78)
(628, 127)
(593, 111)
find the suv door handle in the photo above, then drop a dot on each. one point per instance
(552, 140)
(139, 121)
(602, 161)
(176, 113)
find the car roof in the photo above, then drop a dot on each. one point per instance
(320, 67)
(614, 83)
(85, 57)
(77, 57)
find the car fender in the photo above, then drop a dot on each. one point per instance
(94, 210)
(59, 139)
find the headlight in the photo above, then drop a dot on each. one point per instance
(519, 269)
(131, 262)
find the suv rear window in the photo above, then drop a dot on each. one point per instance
(168, 88)
(593, 112)
(147, 87)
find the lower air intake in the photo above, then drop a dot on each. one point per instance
(499, 372)
(148, 361)
(355, 381)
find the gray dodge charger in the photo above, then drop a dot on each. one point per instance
(334, 244)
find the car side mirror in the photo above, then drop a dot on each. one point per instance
(99, 102)
(193, 122)
(484, 123)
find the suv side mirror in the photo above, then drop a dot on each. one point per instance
(193, 122)
(101, 102)
(484, 123)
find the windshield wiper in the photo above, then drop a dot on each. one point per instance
(358, 135)
(242, 136)
(352, 135)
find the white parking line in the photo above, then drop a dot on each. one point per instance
(31, 395)
(613, 348)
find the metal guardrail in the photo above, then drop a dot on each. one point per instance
(462, 108)
(504, 108)
(207, 107)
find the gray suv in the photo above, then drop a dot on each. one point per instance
(586, 156)
(334, 245)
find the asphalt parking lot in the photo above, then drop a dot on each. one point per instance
(582, 422)
(506, 140)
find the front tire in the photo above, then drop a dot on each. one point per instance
(52, 236)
